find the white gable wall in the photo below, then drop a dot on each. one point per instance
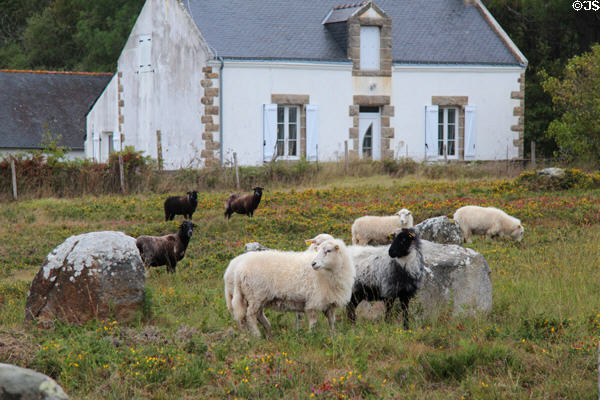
(166, 96)
(103, 117)
(488, 89)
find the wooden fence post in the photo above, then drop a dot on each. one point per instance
(13, 169)
(346, 155)
(533, 155)
(237, 174)
(121, 173)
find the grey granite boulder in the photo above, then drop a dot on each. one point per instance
(18, 383)
(439, 230)
(461, 279)
(254, 246)
(555, 172)
(93, 275)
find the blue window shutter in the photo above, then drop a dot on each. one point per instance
(470, 132)
(312, 132)
(269, 131)
(431, 131)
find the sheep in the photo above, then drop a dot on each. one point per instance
(181, 205)
(229, 275)
(292, 281)
(243, 203)
(165, 250)
(489, 221)
(373, 230)
(388, 272)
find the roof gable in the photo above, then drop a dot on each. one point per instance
(33, 102)
(423, 31)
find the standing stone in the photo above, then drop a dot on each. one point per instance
(18, 383)
(93, 275)
(439, 230)
(461, 278)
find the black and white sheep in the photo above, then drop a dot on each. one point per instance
(490, 221)
(376, 230)
(181, 205)
(243, 203)
(388, 273)
(306, 282)
(165, 250)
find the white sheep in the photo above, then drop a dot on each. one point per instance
(292, 281)
(490, 221)
(374, 230)
(229, 275)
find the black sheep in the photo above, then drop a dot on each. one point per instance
(181, 205)
(243, 203)
(165, 250)
(388, 274)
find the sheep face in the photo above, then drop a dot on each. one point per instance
(258, 191)
(328, 255)
(193, 196)
(403, 239)
(187, 227)
(404, 215)
(517, 234)
(318, 240)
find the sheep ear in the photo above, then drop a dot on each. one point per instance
(337, 247)
(391, 236)
(309, 241)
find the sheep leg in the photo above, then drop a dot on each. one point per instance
(404, 308)
(262, 318)
(389, 304)
(252, 315)
(298, 321)
(311, 315)
(351, 309)
(330, 314)
(171, 263)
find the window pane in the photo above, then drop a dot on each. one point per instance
(292, 132)
(451, 148)
(280, 147)
(367, 145)
(280, 114)
(441, 116)
(292, 148)
(451, 112)
(280, 131)
(451, 132)
(293, 115)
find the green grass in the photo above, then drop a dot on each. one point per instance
(539, 341)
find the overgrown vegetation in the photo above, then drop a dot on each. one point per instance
(539, 341)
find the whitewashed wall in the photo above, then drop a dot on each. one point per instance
(103, 117)
(166, 96)
(249, 85)
(488, 89)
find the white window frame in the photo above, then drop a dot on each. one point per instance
(443, 123)
(286, 132)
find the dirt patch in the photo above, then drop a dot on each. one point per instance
(22, 275)
(16, 347)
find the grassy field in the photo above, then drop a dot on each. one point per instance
(539, 341)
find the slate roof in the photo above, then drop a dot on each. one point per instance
(423, 31)
(32, 102)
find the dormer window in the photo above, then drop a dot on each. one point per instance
(369, 48)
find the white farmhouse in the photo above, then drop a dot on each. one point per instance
(201, 79)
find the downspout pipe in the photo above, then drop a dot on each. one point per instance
(221, 108)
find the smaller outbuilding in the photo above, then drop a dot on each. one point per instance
(35, 103)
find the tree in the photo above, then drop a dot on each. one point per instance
(577, 97)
